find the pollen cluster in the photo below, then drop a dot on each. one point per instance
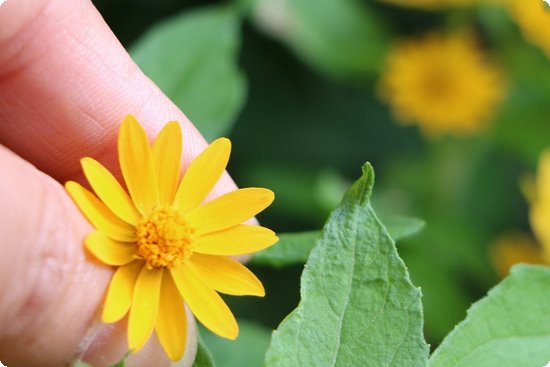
(164, 239)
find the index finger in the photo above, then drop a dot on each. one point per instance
(66, 83)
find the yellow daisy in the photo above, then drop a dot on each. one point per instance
(170, 248)
(442, 83)
(533, 18)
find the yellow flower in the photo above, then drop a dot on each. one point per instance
(538, 193)
(533, 17)
(509, 250)
(441, 83)
(168, 247)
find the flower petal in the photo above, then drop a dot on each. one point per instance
(145, 306)
(99, 215)
(226, 275)
(230, 209)
(121, 289)
(109, 251)
(109, 191)
(171, 325)
(238, 240)
(136, 163)
(207, 306)
(202, 174)
(167, 158)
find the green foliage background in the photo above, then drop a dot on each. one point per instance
(292, 83)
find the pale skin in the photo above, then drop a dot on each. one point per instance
(66, 83)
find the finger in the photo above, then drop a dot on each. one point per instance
(103, 341)
(50, 291)
(66, 83)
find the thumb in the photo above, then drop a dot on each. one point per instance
(50, 290)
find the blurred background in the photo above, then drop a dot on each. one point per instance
(448, 99)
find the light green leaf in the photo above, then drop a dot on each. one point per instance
(343, 38)
(248, 350)
(294, 248)
(508, 328)
(400, 227)
(122, 362)
(203, 357)
(358, 306)
(193, 59)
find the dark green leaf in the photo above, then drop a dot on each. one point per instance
(203, 358)
(508, 328)
(193, 59)
(358, 307)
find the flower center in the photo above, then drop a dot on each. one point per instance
(164, 239)
(437, 84)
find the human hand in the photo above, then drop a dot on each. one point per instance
(65, 85)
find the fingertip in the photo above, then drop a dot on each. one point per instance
(105, 344)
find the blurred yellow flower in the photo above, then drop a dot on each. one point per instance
(441, 83)
(538, 193)
(512, 249)
(533, 18)
(168, 247)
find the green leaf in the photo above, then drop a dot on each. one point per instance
(122, 363)
(247, 350)
(343, 38)
(358, 306)
(193, 58)
(507, 328)
(203, 357)
(400, 227)
(294, 248)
